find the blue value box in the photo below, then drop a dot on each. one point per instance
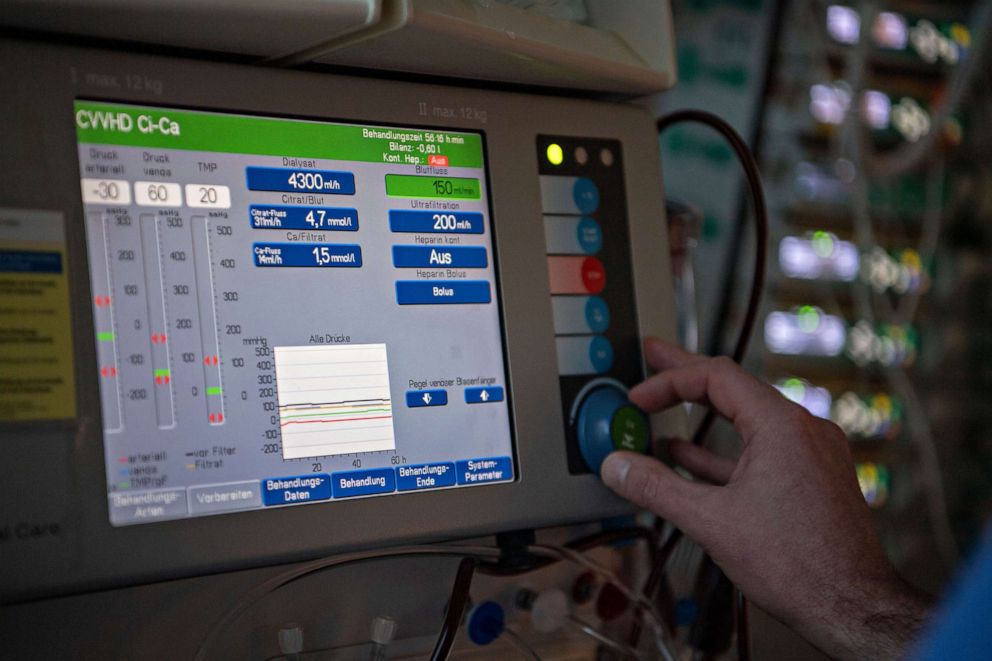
(442, 292)
(363, 483)
(479, 471)
(323, 255)
(281, 217)
(425, 476)
(296, 489)
(467, 257)
(483, 395)
(419, 398)
(436, 222)
(294, 180)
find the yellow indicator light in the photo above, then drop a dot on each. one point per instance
(555, 154)
(961, 35)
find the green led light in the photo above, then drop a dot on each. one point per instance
(105, 337)
(795, 389)
(809, 318)
(823, 243)
(555, 154)
(213, 390)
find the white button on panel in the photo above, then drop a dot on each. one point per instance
(208, 196)
(158, 194)
(105, 191)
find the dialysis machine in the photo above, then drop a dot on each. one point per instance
(275, 304)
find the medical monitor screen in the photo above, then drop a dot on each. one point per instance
(289, 312)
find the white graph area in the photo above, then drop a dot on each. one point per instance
(334, 399)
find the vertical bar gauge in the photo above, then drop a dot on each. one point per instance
(106, 328)
(203, 265)
(158, 325)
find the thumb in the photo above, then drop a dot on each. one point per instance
(654, 486)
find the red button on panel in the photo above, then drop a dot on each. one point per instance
(576, 275)
(593, 275)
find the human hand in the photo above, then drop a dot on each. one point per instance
(789, 524)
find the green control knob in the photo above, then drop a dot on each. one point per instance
(607, 421)
(629, 429)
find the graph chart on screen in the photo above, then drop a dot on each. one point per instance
(334, 399)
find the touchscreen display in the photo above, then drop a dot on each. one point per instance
(288, 312)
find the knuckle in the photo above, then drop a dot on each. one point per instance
(804, 421)
(644, 486)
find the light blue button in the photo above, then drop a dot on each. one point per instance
(597, 314)
(479, 471)
(425, 476)
(296, 489)
(601, 354)
(589, 235)
(363, 483)
(586, 195)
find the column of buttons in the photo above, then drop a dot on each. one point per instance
(573, 237)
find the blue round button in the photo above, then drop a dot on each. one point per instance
(601, 354)
(589, 235)
(586, 195)
(607, 421)
(486, 623)
(597, 314)
(592, 427)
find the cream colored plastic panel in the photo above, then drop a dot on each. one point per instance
(627, 47)
(262, 28)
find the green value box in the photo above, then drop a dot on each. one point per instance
(449, 188)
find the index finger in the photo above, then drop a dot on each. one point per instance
(662, 355)
(718, 382)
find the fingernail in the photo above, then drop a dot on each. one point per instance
(614, 471)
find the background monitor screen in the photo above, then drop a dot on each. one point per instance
(289, 312)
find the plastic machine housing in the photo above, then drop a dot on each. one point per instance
(53, 481)
(617, 48)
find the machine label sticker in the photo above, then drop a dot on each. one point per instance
(37, 375)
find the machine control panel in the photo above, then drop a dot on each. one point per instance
(592, 296)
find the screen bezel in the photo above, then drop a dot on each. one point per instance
(497, 293)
